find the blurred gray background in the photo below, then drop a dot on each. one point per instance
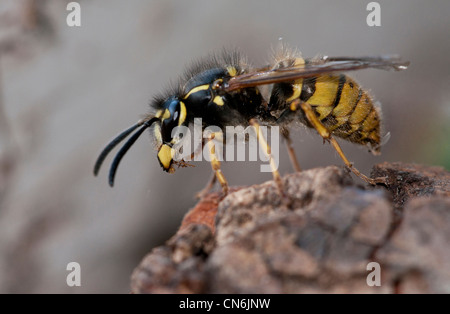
(66, 91)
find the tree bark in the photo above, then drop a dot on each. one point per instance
(250, 242)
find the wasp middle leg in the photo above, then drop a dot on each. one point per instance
(267, 151)
(291, 151)
(208, 187)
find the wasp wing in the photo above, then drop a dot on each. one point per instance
(313, 67)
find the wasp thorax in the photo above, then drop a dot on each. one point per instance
(199, 96)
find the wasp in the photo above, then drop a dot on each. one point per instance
(225, 90)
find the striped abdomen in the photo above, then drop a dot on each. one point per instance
(340, 104)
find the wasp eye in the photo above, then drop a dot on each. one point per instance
(175, 115)
(170, 119)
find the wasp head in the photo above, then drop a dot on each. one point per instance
(171, 116)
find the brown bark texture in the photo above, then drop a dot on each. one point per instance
(323, 242)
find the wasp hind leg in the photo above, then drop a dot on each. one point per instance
(326, 135)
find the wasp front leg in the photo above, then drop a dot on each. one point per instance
(205, 191)
(215, 163)
(326, 135)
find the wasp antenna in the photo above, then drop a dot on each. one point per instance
(125, 148)
(119, 138)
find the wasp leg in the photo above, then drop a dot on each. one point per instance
(267, 151)
(205, 191)
(215, 163)
(326, 135)
(291, 151)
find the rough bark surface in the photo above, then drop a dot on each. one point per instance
(322, 243)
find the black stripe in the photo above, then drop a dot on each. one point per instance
(342, 80)
(376, 125)
(308, 88)
(348, 132)
(344, 130)
(327, 119)
(356, 102)
(355, 137)
(364, 120)
(353, 110)
(347, 126)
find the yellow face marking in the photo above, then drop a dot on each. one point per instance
(165, 155)
(166, 115)
(218, 101)
(158, 113)
(196, 89)
(157, 133)
(232, 71)
(182, 113)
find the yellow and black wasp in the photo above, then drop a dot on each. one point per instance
(224, 90)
